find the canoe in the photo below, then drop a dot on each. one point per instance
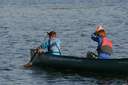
(81, 64)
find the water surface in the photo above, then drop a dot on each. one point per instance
(24, 23)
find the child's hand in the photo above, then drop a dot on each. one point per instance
(96, 33)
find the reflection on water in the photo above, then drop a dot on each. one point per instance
(24, 23)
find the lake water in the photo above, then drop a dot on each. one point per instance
(24, 24)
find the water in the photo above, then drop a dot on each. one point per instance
(24, 23)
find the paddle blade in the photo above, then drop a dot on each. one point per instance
(28, 65)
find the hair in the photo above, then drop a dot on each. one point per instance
(102, 33)
(52, 33)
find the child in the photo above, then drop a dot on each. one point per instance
(52, 45)
(104, 48)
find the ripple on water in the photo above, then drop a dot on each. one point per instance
(24, 23)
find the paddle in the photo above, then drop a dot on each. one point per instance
(33, 58)
(58, 48)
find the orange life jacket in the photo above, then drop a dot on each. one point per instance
(106, 42)
(106, 45)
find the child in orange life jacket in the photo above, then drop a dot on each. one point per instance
(104, 48)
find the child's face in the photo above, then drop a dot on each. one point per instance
(102, 34)
(52, 36)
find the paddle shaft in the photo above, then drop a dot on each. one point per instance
(33, 57)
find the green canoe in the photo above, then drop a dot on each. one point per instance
(81, 64)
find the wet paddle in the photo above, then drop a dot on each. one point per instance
(33, 58)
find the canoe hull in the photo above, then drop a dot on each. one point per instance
(82, 64)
